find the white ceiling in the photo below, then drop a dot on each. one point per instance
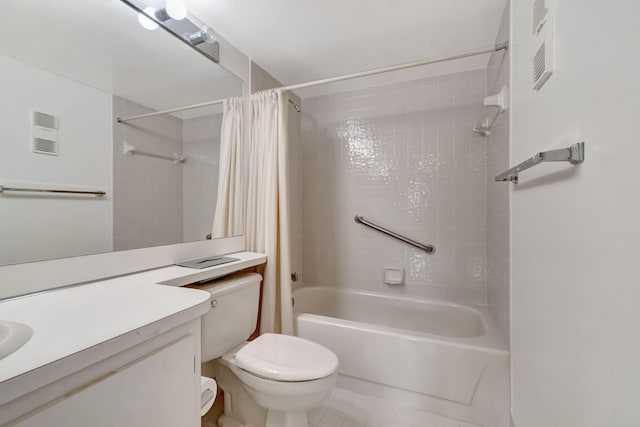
(99, 43)
(302, 40)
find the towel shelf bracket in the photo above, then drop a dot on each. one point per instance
(573, 155)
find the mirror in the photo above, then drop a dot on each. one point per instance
(68, 69)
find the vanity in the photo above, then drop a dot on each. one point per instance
(117, 352)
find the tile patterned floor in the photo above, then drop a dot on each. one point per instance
(347, 409)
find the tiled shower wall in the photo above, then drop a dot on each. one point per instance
(201, 148)
(404, 156)
(156, 201)
(498, 208)
(147, 192)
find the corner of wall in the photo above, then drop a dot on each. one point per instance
(498, 193)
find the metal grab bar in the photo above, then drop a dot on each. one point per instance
(573, 155)
(43, 190)
(129, 150)
(430, 249)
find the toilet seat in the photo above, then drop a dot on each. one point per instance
(286, 358)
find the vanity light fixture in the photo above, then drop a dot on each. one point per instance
(146, 22)
(174, 9)
(174, 18)
(205, 35)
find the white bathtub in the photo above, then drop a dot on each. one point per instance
(436, 356)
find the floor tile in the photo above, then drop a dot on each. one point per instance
(387, 421)
(331, 418)
(426, 419)
(446, 422)
(404, 412)
(315, 415)
(357, 413)
(351, 422)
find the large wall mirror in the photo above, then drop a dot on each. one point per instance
(82, 65)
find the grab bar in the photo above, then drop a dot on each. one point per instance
(129, 150)
(430, 249)
(573, 155)
(43, 190)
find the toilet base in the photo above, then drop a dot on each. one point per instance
(239, 409)
(286, 419)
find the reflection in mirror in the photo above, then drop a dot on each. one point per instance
(83, 65)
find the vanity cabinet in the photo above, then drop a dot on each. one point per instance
(156, 390)
(134, 362)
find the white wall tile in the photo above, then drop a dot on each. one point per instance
(404, 156)
(147, 192)
(201, 148)
(497, 195)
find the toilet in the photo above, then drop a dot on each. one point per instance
(271, 381)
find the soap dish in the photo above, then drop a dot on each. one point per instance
(393, 276)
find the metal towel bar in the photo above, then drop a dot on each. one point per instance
(49, 190)
(430, 249)
(573, 155)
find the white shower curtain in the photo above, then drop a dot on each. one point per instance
(267, 220)
(228, 218)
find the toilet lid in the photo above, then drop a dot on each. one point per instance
(286, 358)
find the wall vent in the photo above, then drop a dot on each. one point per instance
(44, 133)
(541, 65)
(45, 146)
(541, 43)
(45, 120)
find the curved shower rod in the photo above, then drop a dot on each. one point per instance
(464, 54)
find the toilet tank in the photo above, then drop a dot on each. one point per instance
(233, 315)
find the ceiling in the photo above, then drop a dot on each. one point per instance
(100, 44)
(301, 40)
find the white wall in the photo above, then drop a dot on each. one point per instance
(36, 227)
(575, 232)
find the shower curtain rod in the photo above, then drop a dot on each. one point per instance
(172, 110)
(473, 52)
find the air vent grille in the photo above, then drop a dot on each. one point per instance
(542, 58)
(542, 64)
(539, 63)
(45, 146)
(45, 120)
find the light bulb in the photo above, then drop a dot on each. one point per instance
(146, 22)
(176, 9)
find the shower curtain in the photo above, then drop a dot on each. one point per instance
(228, 218)
(267, 220)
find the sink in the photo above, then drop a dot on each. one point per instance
(13, 335)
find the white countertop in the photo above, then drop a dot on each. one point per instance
(70, 320)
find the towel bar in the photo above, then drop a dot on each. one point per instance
(573, 155)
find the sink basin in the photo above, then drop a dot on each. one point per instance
(13, 335)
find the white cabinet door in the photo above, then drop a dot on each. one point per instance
(155, 391)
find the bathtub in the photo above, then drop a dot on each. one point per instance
(435, 356)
